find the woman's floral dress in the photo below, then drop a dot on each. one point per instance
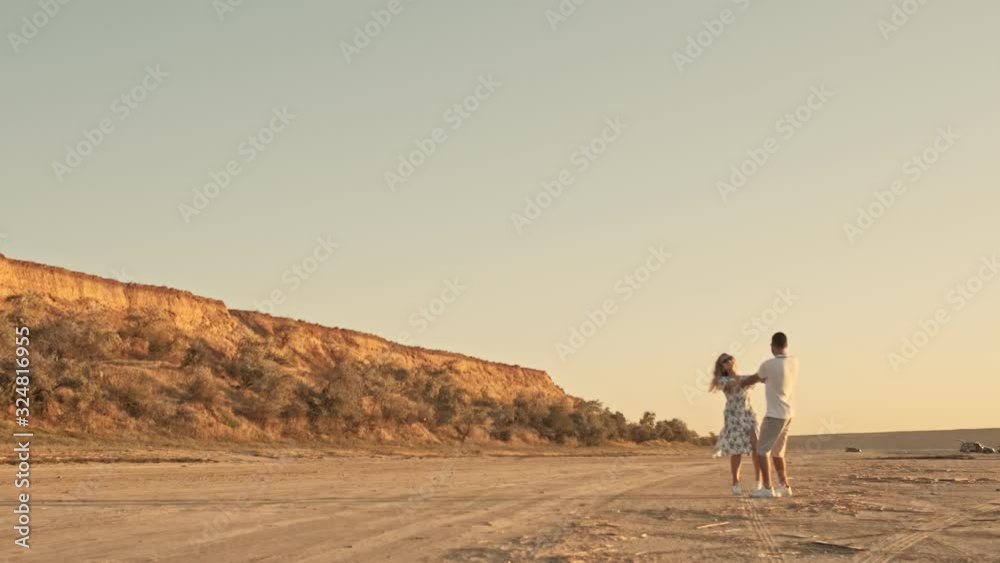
(740, 420)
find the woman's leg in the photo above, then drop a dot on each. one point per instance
(735, 462)
(756, 461)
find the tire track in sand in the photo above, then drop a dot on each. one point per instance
(763, 534)
(508, 516)
(692, 474)
(396, 527)
(900, 544)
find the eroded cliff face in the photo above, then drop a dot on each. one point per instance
(317, 346)
(68, 288)
(314, 348)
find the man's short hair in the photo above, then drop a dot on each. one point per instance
(779, 340)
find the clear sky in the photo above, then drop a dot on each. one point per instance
(836, 101)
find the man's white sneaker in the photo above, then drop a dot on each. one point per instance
(764, 493)
(783, 491)
(758, 486)
(737, 490)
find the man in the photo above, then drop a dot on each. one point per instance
(779, 375)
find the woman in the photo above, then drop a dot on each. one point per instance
(739, 435)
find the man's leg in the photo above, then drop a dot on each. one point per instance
(780, 469)
(756, 460)
(769, 431)
(780, 446)
(765, 470)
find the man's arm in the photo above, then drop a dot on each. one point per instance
(759, 377)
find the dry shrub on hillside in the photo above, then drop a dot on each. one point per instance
(138, 395)
(345, 390)
(470, 420)
(531, 409)
(557, 425)
(645, 430)
(28, 310)
(268, 389)
(295, 410)
(7, 356)
(184, 417)
(284, 334)
(256, 409)
(255, 364)
(69, 390)
(202, 387)
(135, 398)
(318, 406)
(150, 334)
(592, 424)
(404, 411)
(675, 430)
(448, 402)
(198, 354)
(86, 337)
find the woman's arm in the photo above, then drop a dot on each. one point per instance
(748, 380)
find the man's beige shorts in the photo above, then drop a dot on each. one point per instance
(773, 436)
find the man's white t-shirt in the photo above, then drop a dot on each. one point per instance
(780, 374)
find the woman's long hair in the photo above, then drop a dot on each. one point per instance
(719, 371)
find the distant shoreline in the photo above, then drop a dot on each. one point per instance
(916, 440)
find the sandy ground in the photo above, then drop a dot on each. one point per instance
(865, 507)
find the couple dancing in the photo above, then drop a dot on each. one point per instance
(739, 436)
